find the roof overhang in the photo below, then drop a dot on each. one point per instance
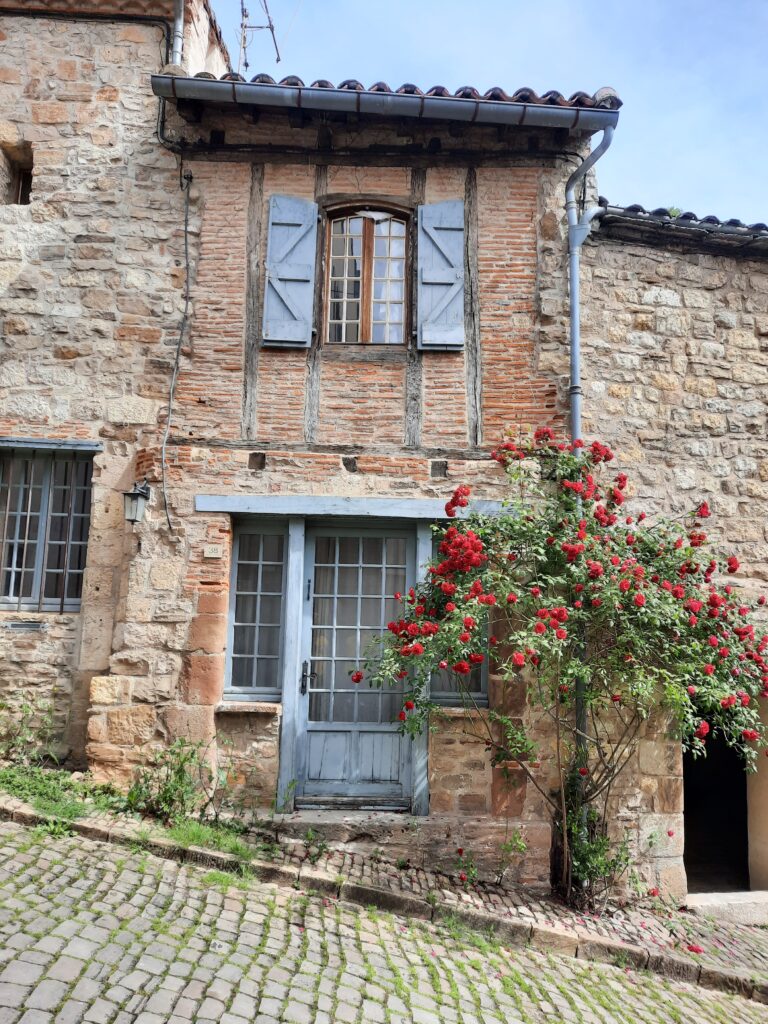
(382, 104)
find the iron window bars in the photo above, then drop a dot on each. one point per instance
(45, 504)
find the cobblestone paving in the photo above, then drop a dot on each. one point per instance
(98, 934)
(724, 944)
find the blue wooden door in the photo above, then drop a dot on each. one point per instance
(350, 750)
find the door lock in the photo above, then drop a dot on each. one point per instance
(306, 676)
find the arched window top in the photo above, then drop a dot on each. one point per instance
(367, 278)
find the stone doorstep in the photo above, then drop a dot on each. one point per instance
(737, 907)
(543, 938)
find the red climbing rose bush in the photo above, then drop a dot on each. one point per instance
(602, 614)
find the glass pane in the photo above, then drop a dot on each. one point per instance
(323, 675)
(355, 225)
(396, 268)
(372, 580)
(355, 246)
(346, 643)
(250, 546)
(380, 247)
(338, 226)
(347, 580)
(337, 247)
(379, 311)
(346, 611)
(322, 611)
(245, 640)
(397, 227)
(343, 707)
(380, 269)
(269, 611)
(74, 585)
(353, 289)
(324, 579)
(247, 577)
(380, 289)
(325, 550)
(396, 291)
(242, 671)
(395, 581)
(322, 643)
(267, 673)
(351, 334)
(370, 611)
(396, 551)
(246, 608)
(391, 704)
(368, 707)
(272, 579)
(373, 549)
(379, 334)
(319, 707)
(394, 334)
(397, 247)
(269, 640)
(335, 333)
(349, 550)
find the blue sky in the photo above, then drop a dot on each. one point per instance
(693, 131)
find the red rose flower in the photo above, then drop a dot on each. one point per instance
(693, 948)
(539, 628)
(733, 564)
(462, 668)
(709, 669)
(703, 731)
(402, 716)
(357, 677)
(750, 734)
(409, 705)
(639, 600)
(583, 772)
(518, 658)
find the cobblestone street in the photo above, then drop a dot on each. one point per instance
(95, 933)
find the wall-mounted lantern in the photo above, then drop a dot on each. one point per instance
(136, 501)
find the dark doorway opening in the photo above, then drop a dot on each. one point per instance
(716, 838)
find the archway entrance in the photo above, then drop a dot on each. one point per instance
(716, 834)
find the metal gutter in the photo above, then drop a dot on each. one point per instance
(349, 101)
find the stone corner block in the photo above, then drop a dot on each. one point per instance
(202, 680)
(112, 689)
(195, 723)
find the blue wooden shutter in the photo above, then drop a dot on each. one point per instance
(290, 279)
(441, 275)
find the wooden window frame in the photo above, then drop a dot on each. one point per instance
(366, 279)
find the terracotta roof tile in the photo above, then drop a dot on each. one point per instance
(605, 98)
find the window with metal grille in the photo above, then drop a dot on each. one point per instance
(45, 506)
(366, 279)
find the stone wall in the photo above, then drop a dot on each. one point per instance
(675, 346)
(89, 301)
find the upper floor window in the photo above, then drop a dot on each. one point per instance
(45, 505)
(366, 279)
(365, 294)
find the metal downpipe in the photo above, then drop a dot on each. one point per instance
(578, 229)
(178, 32)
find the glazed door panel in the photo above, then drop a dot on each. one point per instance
(350, 750)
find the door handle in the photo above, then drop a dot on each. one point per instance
(306, 676)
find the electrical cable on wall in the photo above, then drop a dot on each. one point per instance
(185, 183)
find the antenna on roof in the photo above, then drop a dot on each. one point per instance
(247, 30)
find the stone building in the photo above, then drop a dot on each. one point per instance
(303, 315)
